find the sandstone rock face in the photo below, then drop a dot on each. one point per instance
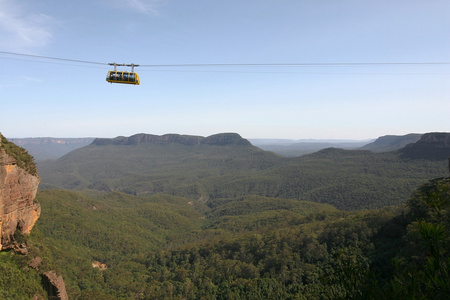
(18, 190)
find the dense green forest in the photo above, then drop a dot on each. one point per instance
(346, 179)
(170, 247)
(231, 221)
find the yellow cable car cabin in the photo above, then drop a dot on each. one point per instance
(123, 76)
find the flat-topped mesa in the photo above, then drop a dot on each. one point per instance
(221, 139)
(18, 187)
(224, 139)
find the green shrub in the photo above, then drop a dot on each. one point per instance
(23, 158)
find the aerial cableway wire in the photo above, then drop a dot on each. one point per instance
(54, 58)
(320, 64)
(300, 64)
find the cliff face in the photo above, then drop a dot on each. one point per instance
(18, 187)
(18, 190)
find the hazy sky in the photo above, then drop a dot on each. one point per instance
(42, 97)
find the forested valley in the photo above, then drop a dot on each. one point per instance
(235, 222)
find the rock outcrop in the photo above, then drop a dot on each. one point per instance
(18, 189)
(55, 286)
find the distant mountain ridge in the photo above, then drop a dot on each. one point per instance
(51, 140)
(53, 148)
(43, 148)
(391, 142)
(221, 139)
(295, 148)
(224, 166)
(431, 146)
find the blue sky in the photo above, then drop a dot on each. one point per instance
(42, 97)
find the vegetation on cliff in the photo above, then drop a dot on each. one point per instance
(23, 158)
(17, 280)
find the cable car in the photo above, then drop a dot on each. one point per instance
(123, 76)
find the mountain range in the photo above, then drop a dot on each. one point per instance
(189, 217)
(223, 166)
(53, 148)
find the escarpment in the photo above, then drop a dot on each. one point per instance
(18, 187)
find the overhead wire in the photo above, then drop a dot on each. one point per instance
(53, 58)
(299, 64)
(57, 63)
(320, 64)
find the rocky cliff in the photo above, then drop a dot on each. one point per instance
(18, 187)
(54, 285)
